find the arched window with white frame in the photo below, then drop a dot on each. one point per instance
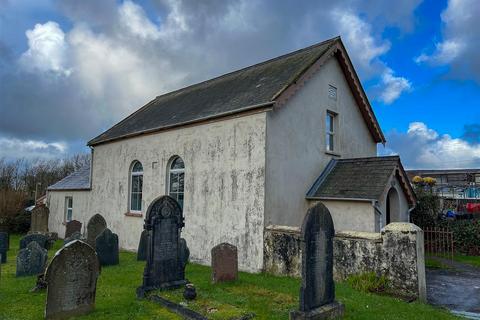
(176, 179)
(136, 185)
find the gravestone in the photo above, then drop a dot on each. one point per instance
(142, 246)
(39, 219)
(224, 263)
(31, 260)
(39, 238)
(95, 226)
(3, 246)
(167, 255)
(74, 236)
(72, 281)
(71, 227)
(317, 293)
(106, 246)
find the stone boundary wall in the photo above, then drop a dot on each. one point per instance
(397, 253)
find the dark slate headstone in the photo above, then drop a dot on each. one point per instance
(72, 281)
(317, 293)
(142, 246)
(167, 255)
(224, 263)
(39, 219)
(106, 246)
(32, 260)
(39, 238)
(71, 227)
(75, 236)
(3, 246)
(95, 226)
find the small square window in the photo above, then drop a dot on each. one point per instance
(332, 92)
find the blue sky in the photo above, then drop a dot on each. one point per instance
(71, 69)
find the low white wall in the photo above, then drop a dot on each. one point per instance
(350, 215)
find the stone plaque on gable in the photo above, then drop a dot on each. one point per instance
(39, 238)
(32, 260)
(72, 281)
(224, 263)
(317, 293)
(71, 227)
(95, 226)
(106, 246)
(142, 246)
(167, 255)
(39, 219)
(3, 246)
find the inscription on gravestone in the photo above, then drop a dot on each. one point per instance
(39, 219)
(31, 260)
(71, 227)
(106, 246)
(95, 226)
(72, 280)
(167, 255)
(142, 246)
(39, 238)
(224, 263)
(3, 246)
(317, 293)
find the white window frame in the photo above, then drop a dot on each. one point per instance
(68, 208)
(134, 174)
(330, 128)
(171, 171)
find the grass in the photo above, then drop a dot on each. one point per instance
(432, 263)
(268, 297)
(471, 260)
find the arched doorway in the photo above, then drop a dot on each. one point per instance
(393, 206)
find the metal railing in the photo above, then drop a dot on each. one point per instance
(439, 241)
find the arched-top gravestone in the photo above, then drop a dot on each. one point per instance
(142, 246)
(31, 260)
(39, 238)
(4, 244)
(72, 281)
(39, 219)
(95, 226)
(224, 263)
(106, 246)
(317, 293)
(167, 255)
(71, 227)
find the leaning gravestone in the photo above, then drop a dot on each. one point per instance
(224, 263)
(106, 246)
(3, 246)
(317, 293)
(39, 219)
(39, 238)
(32, 260)
(74, 236)
(71, 227)
(95, 226)
(167, 255)
(72, 281)
(142, 246)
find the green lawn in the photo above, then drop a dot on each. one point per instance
(268, 297)
(472, 260)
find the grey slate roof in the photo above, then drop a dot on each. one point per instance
(359, 178)
(78, 180)
(254, 85)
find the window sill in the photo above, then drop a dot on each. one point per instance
(333, 153)
(134, 214)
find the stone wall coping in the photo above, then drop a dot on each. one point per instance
(375, 236)
(284, 229)
(403, 227)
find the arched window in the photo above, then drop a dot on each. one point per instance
(136, 184)
(176, 175)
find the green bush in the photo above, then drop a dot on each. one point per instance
(425, 214)
(466, 235)
(368, 282)
(19, 223)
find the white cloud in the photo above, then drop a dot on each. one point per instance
(46, 49)
(133, 17)
(423, 147)
(18, 148)
(393, 86)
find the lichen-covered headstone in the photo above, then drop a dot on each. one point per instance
(95, 226)
(224, 263)
(317, 293)
(106, 246)
(39, 219)
(31, 260)
(74, 236)
(39, 238)
(3, 246)
(167, 256)
(72, 281)
(71, 227)
(142, 246)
